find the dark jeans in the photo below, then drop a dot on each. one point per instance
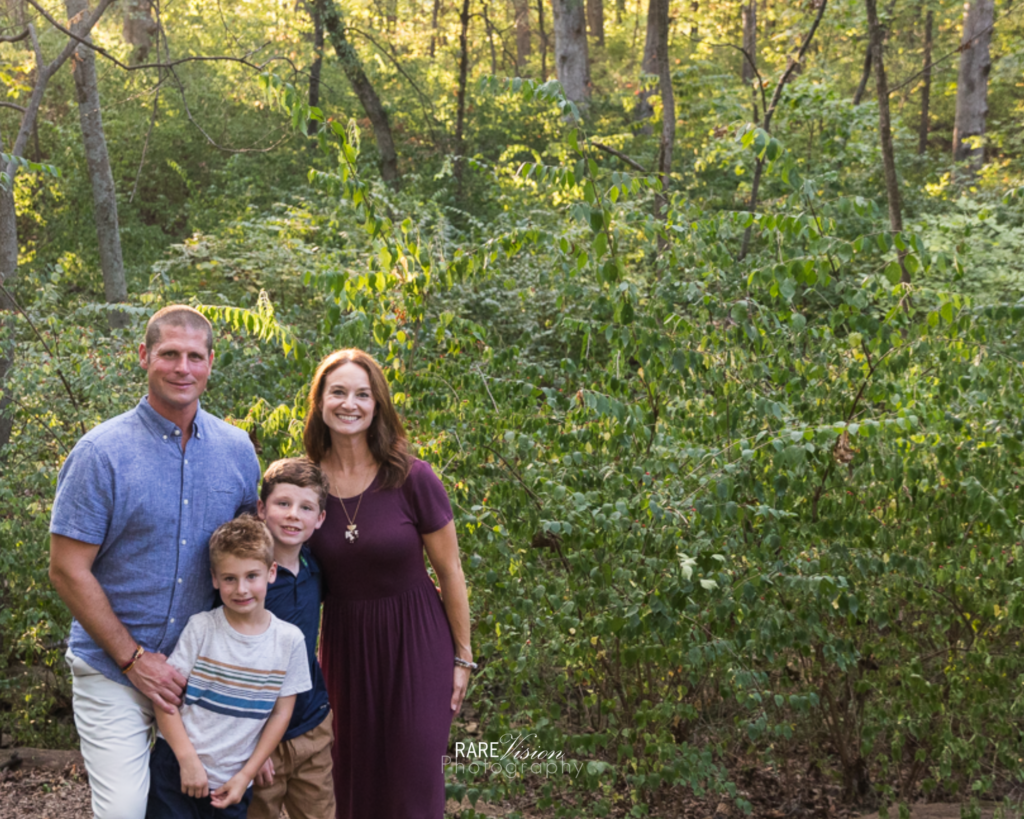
(166, 801)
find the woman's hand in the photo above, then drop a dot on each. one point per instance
(460, 682)
(231, 792)
(193, 777)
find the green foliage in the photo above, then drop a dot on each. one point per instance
(24, 164)
(709, 510)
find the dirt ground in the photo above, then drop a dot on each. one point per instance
(43, 784)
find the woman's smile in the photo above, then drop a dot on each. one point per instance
(348, 403)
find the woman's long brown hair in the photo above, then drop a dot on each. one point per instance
(386, 437)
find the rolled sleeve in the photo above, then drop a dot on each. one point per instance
(252, 473)
(85, 494)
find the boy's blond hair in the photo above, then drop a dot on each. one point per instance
(245, 537)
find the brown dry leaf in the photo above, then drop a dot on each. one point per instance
(843, 452)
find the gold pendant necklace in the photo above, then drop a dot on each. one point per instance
(351, 532)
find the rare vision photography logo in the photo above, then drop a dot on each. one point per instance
(512, 756)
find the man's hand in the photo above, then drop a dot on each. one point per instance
(265, 776)
(231, 792)
(162, 683)
(193, 777)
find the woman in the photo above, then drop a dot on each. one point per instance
(396, 660)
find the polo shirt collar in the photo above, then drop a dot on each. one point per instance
(167, 429)
(306, 564)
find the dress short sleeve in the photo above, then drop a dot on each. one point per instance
(428, 498)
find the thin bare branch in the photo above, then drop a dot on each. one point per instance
(960, 47)
(629, 161)
(791, 67)
(53, 358)
(145, 145)
(244, 60)
(425, 101)
(16, 38)
(72, 43)
(210, 139)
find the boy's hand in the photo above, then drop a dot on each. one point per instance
(231, 792)
(193, 777)
(265, 776)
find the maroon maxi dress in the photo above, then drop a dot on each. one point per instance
(386, 651)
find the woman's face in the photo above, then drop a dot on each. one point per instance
(348, 404)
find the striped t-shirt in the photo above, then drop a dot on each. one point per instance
(233, 682)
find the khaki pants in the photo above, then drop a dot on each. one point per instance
(302, 778)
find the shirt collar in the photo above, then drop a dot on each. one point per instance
(155, 421)
(306, 565)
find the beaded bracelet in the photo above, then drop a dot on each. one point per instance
(139, 651)
(465, 664)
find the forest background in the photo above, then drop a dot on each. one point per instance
(716, 345)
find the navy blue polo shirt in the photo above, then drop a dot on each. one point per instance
(296, 600)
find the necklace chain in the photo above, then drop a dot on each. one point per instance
(351, 532)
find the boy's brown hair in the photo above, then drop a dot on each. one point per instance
(246, 537)
(301, 472)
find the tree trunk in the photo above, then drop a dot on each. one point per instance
(353, 68)
(8, 218)
(522, 12)
(749, 14)
(972, 81)
(489, 30)
(892, 186)
(668, 103)
(460, 113)
(314, 70)
(543, 41)
(648, 66)
(595, 20)
(865, 75)
(433, 27)
(139, 29)
(926, 87)
(97, 160)
(8, 267)
(572, 59)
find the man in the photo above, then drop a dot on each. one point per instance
(137, 500)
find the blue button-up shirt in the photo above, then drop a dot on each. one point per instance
(128, 488)
(296, 599)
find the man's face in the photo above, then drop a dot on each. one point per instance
(178, 367)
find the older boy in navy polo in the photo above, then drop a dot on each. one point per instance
(297, 775)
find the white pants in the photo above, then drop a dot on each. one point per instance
(115, 724)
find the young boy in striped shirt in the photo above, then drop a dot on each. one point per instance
(244, 668)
